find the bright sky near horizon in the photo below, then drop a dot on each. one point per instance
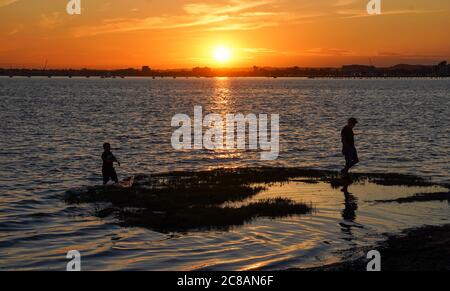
(222, 33)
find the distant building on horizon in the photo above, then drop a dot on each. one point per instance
(146, 69)
(443, 68)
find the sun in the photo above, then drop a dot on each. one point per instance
(222, 54)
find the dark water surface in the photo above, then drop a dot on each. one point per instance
(52, 131)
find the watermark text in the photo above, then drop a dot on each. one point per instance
(230, 133)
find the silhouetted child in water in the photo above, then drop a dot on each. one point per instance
(348, 146)
(108, 170)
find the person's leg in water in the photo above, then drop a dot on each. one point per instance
(105, 176)
(351, 159)
(114, 176)
(109, 174)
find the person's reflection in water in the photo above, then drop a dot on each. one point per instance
(349, 211)
(351, 202)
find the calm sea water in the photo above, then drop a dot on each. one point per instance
(52, 132)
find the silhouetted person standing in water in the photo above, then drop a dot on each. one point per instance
(108, 170)
(348, 146)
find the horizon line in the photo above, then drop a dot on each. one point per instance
(2, 67)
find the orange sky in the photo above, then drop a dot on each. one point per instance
(184, 33)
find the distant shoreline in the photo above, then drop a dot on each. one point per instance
(237, 77)
(348, 71)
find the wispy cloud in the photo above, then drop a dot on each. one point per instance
(6, 2)
(362, 13)
(150, 23)
(50, 21)
(345, 2)
(410, 56)
(313, 52)
(327, 52)
(259, 50)
(233, 6)
(233, 15)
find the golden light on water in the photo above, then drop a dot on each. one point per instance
(223, 101)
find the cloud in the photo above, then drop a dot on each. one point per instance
(233, 15)
(50, 21)
(242, 26)
(345, 2)
(313, 52)
(233, 6)
(6, 2)
(327, 52)
(14, 31)
(410, 56)
(363, 13)
(259, 50)
(150, 23)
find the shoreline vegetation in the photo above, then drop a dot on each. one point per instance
(192, 201)
(418, 249)
(440, 70)
(199, 201)
(420, 197)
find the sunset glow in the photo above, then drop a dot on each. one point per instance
(222, 54)
(224, 144)
(184, 34)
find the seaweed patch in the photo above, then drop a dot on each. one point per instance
(186, 201)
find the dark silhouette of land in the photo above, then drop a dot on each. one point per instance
(194, 201)
(348, 71)
(419, 249)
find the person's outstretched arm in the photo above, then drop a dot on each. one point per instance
(116, 160)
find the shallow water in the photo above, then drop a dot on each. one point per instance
(52, 132)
